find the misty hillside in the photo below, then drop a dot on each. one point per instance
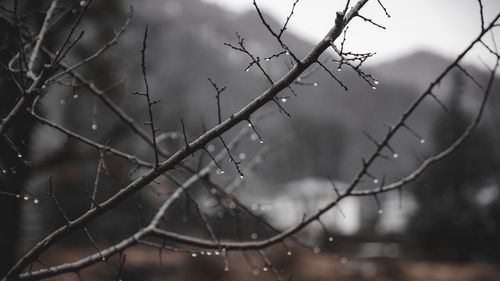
(186, 47)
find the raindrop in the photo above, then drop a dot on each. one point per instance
(374, 88)
(343, 260)
(194, 255)
(254, 137)
(243, 156)
(255, 272)
(211, 148)
(299, 79)
(395, 156)
(232, 205)
(422, 141)
(287, 53)
(376, 82)
(339, 69)
(375, 180)
(83, 3)
(26, 198)
(330, 238)
(174, 136)
(246, 70)
(283, 100)
(261, 141)
(209, 253)
(226, 268)
(254, 236)
(103, 259)
(202, 253)
(36, 201)
(44, 86)
(289, 253)
(380, 211)
(62, 102)
(315, 84)
(18, 196)
(4, 171)
(94, 126)
(264, 268)
(267, 59)
(75, 96)
(219, 172)
(316, 250)
(250, 125)
(217, 253)
(19, 155)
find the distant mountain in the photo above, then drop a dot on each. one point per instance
(416, 70)
(187, 47)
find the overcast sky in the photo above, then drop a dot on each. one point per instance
(441, 26)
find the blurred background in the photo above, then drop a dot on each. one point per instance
(444, 227)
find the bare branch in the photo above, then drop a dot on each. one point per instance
(41, 37)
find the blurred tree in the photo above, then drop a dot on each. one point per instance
(453, 222)
(13, 148)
